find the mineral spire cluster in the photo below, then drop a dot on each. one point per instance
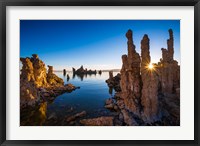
(37, 84)
(145, 90)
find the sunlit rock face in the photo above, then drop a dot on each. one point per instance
(28, 91)
(52, 79)
(150, 82)
(130, 77)
(39, 71)
(27, 72)
(34, 71)
(38, 85)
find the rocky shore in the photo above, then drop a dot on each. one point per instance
(37, 86)
(150, 93)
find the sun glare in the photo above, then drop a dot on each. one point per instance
(150, 66)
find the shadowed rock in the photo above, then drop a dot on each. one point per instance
(114, 82)
(82, 71)
(64, 72)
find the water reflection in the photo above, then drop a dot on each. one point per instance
(90, 98)
(110, 91)
(79, 76)
(34, 117)
(68, 77)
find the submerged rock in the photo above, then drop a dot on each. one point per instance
(74, 117)
(100, 121)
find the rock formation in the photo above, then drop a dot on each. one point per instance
(149, 92)
(39, 71)
(114, 82)
(37, 85)
(100, 72)
(64, 72)
(100, 121)
(28, 90)
(74, 117)
(53, 79)
(150, 82)
(168, 68)
(130, 82)
(82, 71)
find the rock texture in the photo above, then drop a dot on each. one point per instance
(39, 71)
(150, 93)
(74, 117)
(100, 121)
(114, 82)
(150, 81)
(53, 79)
(168, 68)
(130, 82)
(36, 85)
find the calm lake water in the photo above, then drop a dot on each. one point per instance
(90, 97)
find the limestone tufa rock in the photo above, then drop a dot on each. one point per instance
(150, 80)
(130, 77)
(53, 79)
(100, 121)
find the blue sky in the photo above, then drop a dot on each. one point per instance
(96, 44)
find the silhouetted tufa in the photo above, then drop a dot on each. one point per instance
(64, 72)
(73, 70)
(82, 71)
(100, 72)
(110, 74)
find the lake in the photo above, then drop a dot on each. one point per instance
(90, 98)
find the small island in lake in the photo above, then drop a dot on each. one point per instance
(71, 83)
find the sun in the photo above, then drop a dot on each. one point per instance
(150, 66)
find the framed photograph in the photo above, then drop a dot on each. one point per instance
(99, 72)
